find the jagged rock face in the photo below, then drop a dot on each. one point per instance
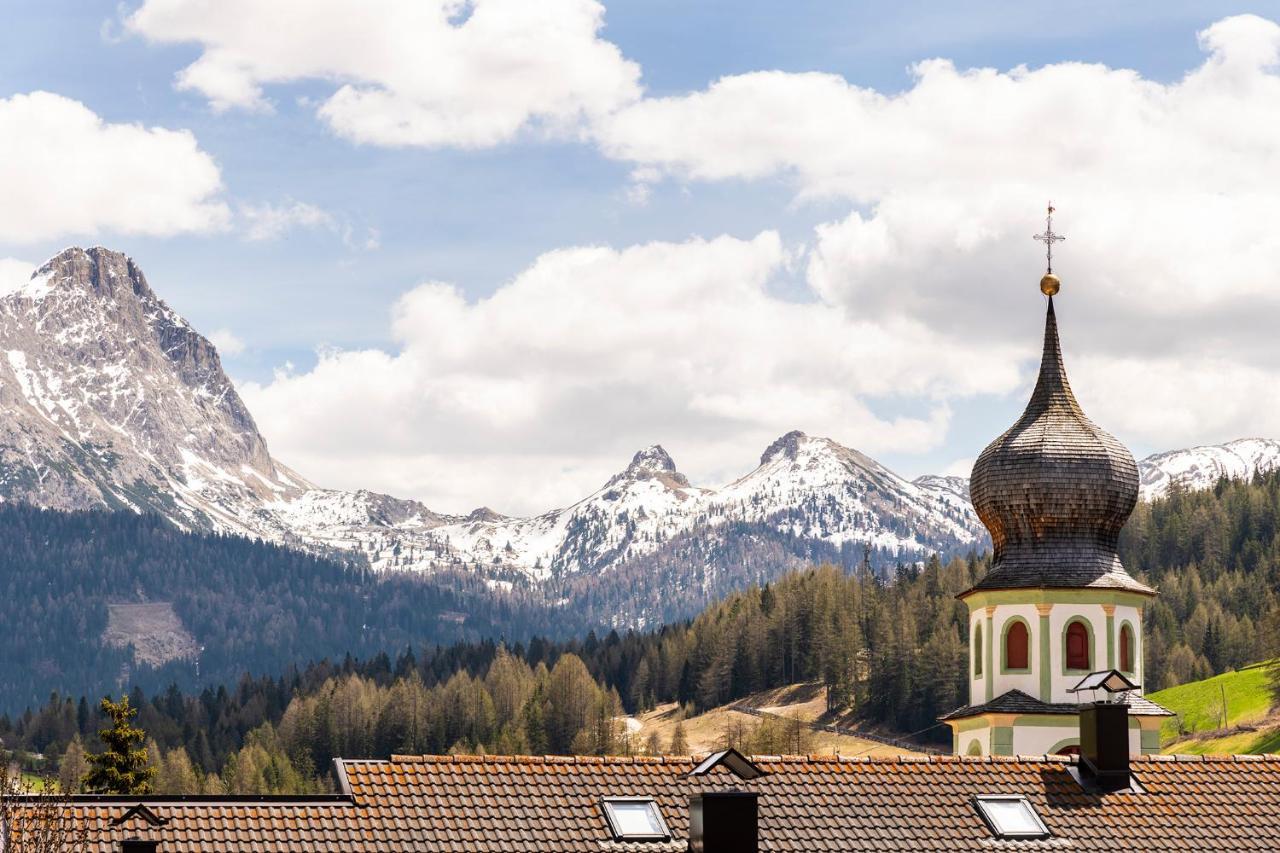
(112, 399)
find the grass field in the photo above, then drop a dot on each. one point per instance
(1239, 743)
(705, 732)
(1199, 704)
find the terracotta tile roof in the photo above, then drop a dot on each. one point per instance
(814, 803)
(1018, 702)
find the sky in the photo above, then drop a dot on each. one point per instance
(479, 253)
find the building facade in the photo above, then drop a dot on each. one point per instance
(1054, 491)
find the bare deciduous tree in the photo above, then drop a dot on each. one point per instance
(36, 818)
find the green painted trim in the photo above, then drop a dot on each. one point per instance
(1062, 744)
(1150, 741)
(1046, 674)
(1041, 595)
(1047, 721)
(1111, 640)
(991, 681)
(1002, 740)
(1133, 648)
(1004, 647)
(1093, 650)
(975, 747)
(977, 650)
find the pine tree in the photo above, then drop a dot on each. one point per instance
(123, 767)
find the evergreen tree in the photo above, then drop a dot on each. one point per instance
(122, 767)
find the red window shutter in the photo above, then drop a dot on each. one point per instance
(1015, 646)
(1077, 646)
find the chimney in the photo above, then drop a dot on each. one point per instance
(1104, 744)
(724, 822)
(138, 845)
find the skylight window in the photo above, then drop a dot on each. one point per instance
(635, 818)
(1010, 816)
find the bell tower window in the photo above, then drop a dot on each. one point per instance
(1077, 643)
(1017, 640)
(1126, 648)
(977, 652)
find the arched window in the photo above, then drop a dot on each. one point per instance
(1078, 646)
(1016, 642)
(1126, 648)
(977, 652)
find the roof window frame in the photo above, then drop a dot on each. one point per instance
(1041, 832)
(606, 805)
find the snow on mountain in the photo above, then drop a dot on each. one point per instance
(1202, 467)
(113, 400)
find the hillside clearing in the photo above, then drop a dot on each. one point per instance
(707, 732)
(154, 629)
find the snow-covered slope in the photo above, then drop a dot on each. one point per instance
(1202, 467)
(810, 488)
(112, 400)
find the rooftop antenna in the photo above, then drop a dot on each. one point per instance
(1050, 283)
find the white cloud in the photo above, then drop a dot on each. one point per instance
(406, 72)
(64, 171)
(227, 342)
(13, 274)
(271, 222)
(959, 468)
(262, 222)
(1164, 192)
(922, 294)
(529, 397)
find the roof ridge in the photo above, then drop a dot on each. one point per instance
(464, 758)
(833, 758)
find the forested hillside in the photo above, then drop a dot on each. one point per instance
(1214, 555)
(893, 651)
(253, 607)
(256, 607)
(811, 625)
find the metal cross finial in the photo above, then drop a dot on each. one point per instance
(1048, 237)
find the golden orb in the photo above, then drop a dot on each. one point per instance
(1049, 284)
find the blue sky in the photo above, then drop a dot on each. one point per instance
(478, 217)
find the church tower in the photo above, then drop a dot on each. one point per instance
(1054, 491)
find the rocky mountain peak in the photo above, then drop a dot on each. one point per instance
(113, 399)
(651, 463)
(652, 460)
(484, 513)
(786, 447)
(96, 271)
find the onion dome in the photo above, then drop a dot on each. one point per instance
(1054, 491)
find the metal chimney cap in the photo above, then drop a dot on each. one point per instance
(734, 761)
(1110, 680)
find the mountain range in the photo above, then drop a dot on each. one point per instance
(112, 400)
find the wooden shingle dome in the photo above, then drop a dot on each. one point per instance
(1055, 490)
